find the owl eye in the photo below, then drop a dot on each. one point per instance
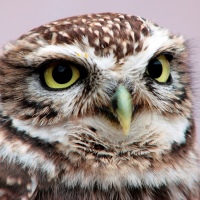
(159, 69)
(60, 74)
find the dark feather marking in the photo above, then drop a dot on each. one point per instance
(183, 148)
(47, 148)
(38, 107)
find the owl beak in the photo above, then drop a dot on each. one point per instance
(122, 107)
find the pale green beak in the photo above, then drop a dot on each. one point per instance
(123, 108)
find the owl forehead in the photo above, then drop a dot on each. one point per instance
(119, 33)
(107, 40)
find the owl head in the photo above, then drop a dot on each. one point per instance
(101, 98)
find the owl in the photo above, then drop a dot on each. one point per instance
(97, 107)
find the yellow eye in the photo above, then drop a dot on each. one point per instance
(60, 74)
(159, 69)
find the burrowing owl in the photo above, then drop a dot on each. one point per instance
(97, 107)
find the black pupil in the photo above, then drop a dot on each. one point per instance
(155, 69)
(62, 73)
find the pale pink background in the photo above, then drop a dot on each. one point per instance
(180, 16)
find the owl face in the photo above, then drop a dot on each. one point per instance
(102, 96)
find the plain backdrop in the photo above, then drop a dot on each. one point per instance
(179, 16)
